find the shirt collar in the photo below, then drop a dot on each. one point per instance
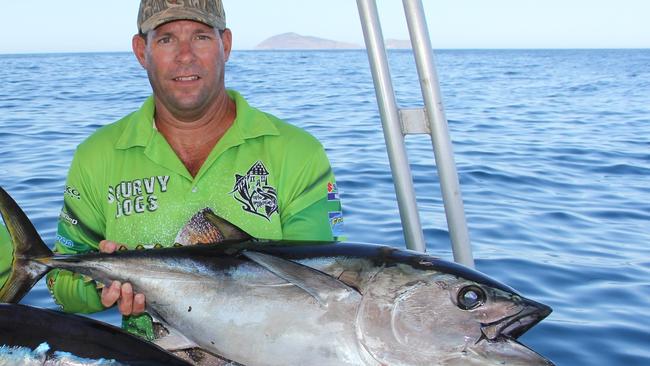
(139, 126)
(249, 123)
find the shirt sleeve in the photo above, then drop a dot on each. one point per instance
(80, 229)
(317, 222)
(6, 254)
(314, 212)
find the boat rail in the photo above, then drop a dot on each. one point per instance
(398, 123)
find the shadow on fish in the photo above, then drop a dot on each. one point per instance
(289, 303)
(33, 336)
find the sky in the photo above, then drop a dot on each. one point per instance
(43, 26)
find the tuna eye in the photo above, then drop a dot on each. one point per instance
(471, 297)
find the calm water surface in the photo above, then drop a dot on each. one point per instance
(552, 149)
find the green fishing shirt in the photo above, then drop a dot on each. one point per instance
(126, 184)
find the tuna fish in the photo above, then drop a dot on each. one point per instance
(289, 303)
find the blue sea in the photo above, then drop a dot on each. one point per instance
(552, 149)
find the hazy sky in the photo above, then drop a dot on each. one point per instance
(91, 25)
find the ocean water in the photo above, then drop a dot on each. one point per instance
(552, 149)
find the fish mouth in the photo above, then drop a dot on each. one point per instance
(499, 339)
(516, 325)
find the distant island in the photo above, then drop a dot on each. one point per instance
(295, 41)
(401, 44)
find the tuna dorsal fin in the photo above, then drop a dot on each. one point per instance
(198, 230)
(207, 228)
(323, 287)
(228, 230)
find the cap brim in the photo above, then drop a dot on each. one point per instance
(173, 14)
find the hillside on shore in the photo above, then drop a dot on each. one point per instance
(295, 41)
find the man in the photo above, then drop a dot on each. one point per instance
(192, 146)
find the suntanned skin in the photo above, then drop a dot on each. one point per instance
(185, 61)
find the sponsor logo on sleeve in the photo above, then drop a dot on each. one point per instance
(336, 223)
(64, 241)
(72, 192)
(65, 217)
(332, 192)
(255, 194)
(137, 196)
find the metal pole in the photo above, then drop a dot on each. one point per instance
(401, 171)
(442, 147)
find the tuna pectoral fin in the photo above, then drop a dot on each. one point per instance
(174, 341)
(324, 288)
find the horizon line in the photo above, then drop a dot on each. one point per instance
(26, 53)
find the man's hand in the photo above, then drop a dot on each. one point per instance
(128, 302)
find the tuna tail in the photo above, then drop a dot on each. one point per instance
(28, 247)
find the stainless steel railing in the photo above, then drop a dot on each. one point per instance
(397, 123)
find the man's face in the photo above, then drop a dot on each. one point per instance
(185, 61)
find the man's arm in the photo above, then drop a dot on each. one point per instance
(81, 298)
(314, 213)
(6, 254)
(322, 221)
(80, 229)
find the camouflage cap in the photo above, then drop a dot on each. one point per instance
(154, 13)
